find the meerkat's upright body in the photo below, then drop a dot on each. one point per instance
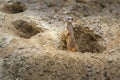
(70, 39)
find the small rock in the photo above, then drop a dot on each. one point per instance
(110, 60)
(4, 39)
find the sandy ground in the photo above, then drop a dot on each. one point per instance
(32, 42)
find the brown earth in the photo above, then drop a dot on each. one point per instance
(33, 47)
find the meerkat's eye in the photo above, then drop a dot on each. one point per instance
(71, 19)
(68, 19)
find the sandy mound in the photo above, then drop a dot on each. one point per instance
(33, 47)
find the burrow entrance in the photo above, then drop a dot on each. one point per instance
(25, 29)
(87, 40)
(14, 7)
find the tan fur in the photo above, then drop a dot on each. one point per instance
(70, 39)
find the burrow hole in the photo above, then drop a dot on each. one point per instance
(87, 40)
(14, 7)
(25, 29)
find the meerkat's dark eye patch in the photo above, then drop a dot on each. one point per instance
(71, 19)
(68, 18)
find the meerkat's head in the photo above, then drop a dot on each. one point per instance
(68, 19)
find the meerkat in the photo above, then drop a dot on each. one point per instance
(70, 38)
